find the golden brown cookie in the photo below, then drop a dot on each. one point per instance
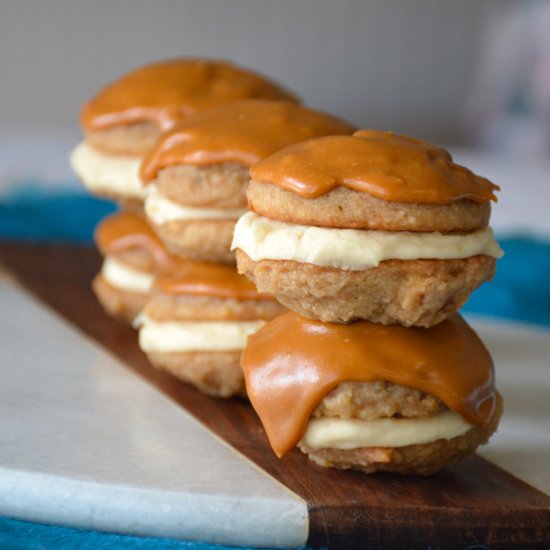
(123, 305)
(348, 209)
(422, 459)
(202, 240)
(216, 373)
(408, 292)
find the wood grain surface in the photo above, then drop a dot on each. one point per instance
(472, 505)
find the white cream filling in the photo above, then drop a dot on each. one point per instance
(160, 209)
(265, 239)
(125, 278)
(339, 433)
(104, 173)
(181, 336)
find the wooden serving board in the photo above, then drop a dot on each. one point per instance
(473, 503)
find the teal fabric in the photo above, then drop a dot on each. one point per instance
(519, 291)
(28, 212)
(23, 535)
(521, 287)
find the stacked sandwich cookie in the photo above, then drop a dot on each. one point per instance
(125, 119)
(372, 397)
(198, 172)
(133, 257)
(121, 124)
(374, 240)
(196, 322)
(198, 318)
(371, 226)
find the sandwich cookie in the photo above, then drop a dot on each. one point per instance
(373, 226)
(133, 256)
(125, 119)
(196, 323)
(371, 397)
(198, 172)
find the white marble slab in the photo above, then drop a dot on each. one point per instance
(86, 443)
(522, 362)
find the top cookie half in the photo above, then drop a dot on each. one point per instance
(371, 180)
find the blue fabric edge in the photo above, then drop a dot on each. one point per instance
(18, 534)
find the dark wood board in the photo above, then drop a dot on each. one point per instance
(473, 503)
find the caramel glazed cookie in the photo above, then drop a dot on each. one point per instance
(371, 397)
(372, 226)
(196, 323)
(133, 256)
(124, 120)
(197, 174)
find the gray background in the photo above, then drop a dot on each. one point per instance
(405, 65)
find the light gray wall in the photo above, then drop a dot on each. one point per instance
(403, 65)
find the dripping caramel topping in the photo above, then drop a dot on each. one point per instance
(205, 279)
(293, 362)
(386, 165)
(124, 231)
(243, 131)
(163, 93)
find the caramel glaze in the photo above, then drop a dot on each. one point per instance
(125, 230)
(293, 362)
(212, 280)
(243, 131)
(162, 93)
(383, 164)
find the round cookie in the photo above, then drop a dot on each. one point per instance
(126, 118)
(416, 458)
(372, 397)
(196, 323)
(134, 255)
(197, 173)
(124, 305)
(409, 292)
(372, 226)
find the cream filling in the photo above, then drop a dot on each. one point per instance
(160, 209)
(125, 278)
(265, 239)
(339, 433)
(181, 336)
(104, 173)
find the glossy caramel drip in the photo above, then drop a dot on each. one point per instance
(213, 280)
(163, 93)
(243, 131)
(383, 164)
(124, 231)
(293, 362)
